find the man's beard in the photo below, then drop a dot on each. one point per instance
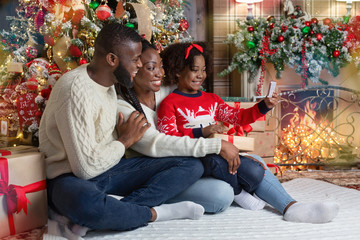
(123, 77)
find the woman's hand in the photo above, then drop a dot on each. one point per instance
(133, 129)
(207, 131)
(272, 101)
(231, 154)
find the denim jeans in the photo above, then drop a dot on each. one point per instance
(143, 181)
(271, 191)
(213, 194)
(249, 174)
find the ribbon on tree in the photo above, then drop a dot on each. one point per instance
(15, 196)
(264, 53)
(304, 63)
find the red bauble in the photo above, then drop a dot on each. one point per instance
(319, 36)
(272, 25)
(327, 21)
(75, 51)
(251, 29)
(45, 93)
(82, 61)
(78, 15)
(311, 32)
(38, 114)
(307, 23)
(284, 28)
(32, 84)
(336, 53)
(183, 25)
(49, 40)
(103, 12)
(314, 20)
(280, 38)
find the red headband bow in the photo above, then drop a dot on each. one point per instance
(188, 49)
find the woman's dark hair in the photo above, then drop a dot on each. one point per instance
(128, 94)
(174, 61)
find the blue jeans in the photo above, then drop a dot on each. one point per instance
(249, 174)
(143, 181)
(216, 195)
(271, 191)
(213, 194)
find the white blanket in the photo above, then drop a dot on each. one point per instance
(267, 224)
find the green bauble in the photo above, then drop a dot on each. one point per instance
(346, 19)
(94, 4)
(130, 25)
(306, 30)
(250, 44)
(153, 1)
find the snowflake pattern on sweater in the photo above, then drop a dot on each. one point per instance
(182, 114)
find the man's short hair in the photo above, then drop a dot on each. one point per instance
(112, 35)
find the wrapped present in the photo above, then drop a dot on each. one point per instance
(258, 126)
(244, 144)
(22, 193)
(265, 143)
(5, 151)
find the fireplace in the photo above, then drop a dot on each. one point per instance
(317, 128)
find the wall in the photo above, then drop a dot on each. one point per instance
(223, 14)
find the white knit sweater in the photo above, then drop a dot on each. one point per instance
(77, 127)
(156, 144)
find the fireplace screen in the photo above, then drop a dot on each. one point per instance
(316, 128)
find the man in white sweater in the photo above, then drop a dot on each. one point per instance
(85, 157)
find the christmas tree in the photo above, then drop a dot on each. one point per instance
(50, 37)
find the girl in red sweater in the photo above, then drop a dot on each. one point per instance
(188, 111)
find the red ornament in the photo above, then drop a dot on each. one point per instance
(32, 84)
(307, 23)
(251, 29)
(284, 28)
(336, 53)
(38, 114)
(49, 40)
(78, 15)
(82, 61)
(103, 12)
(314, 20)
(319, 36)
(45, 93)
(327, 21)
(280, 38)
(272, 25)
(183, 25)
(311, 32)
(75, 51)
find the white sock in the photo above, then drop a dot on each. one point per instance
(248, 201)
(79, 230)
(180, 210)
(317, 212)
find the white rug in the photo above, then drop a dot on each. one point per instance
(237, 223)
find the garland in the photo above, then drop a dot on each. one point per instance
(307, 46)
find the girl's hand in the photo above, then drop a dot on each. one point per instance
(207, 131)
(272, 101)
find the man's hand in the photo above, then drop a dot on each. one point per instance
(133, 129)
(231, 154)
(272, 101)
(207, 131)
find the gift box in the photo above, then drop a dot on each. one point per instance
(265, 143)
(22, 193)
(5, 151)
(244, 144)
(257, 126)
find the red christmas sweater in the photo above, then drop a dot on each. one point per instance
(182, 114)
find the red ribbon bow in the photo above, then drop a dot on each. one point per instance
(193, 45)
(16, 199)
